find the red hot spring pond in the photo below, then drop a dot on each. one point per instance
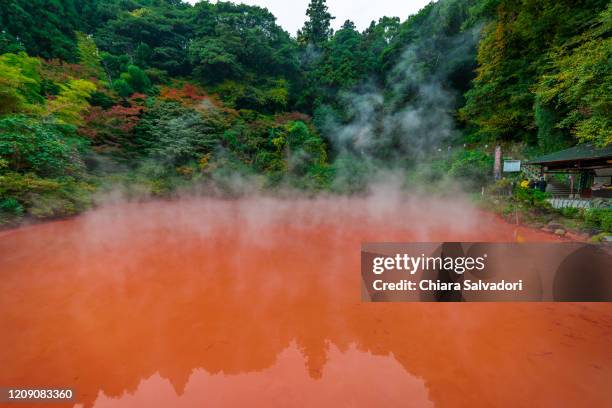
(256, 302)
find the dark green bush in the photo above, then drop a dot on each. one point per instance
(10, 211)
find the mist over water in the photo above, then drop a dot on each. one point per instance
(256, 301)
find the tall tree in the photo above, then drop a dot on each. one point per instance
(342, 64)
(317, 29)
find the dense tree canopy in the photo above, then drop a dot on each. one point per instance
(516, 50)
(163, 93)
(577, 84)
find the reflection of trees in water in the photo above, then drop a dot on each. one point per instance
(102, 313)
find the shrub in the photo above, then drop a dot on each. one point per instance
(10, 211)
(570, 212)
(122, 87)
(136, 78)
(532, 197)
(600, 218)
(45, 149)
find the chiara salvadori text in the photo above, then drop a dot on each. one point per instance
(437, 285)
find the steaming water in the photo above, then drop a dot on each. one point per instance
(256, 302)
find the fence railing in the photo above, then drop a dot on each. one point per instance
(558, 202)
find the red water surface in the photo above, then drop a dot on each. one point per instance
(256, 302)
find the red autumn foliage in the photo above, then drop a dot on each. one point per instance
(138, 98)
(188, 94)
(292, 116)
(60, 71)
(113, 126)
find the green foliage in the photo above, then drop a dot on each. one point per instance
(150, 34)
(134, 80)
(376, 42)
(10, 210)
(600, 218)
(19, 83)
(396, 60)
(44, 28)
(175, 136)
(580, 82)
(285, 150)
(101, 99)
(343, 63)
(514, 53)
(304, 150)
(214, 60)
(474, 168)
(89, 57)
(122, 88)
(273, 97)
(9, 44)
(570, 212)
(532, 197)
(236, 41)
(550, 137)
(437, 37)
(317, 29)
(44, 149)
(114, 65)
(137, 79)
(72, 101)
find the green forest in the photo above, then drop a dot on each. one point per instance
(158, 97)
